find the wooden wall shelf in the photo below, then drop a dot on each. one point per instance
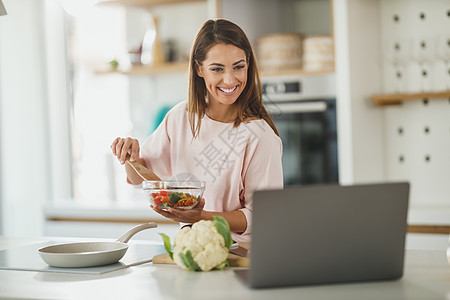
(180, 67)
(294, 72)
(433, 229)
(165, 68)
(395, 99)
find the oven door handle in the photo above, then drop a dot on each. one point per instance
(297, 107)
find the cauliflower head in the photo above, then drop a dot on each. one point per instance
(202, 247)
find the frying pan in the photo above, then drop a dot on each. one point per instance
(89, 254)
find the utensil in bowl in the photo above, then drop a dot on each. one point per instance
(89, 254)
(177, 194)
(141, 170)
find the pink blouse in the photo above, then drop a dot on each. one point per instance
(234, 162)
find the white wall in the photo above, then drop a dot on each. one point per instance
(358, 76)
(58, 105)
(23, 118)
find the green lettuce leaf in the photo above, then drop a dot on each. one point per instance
(167, 244)
(174, 198)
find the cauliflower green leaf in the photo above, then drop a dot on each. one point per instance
(224, 230)
(222, 265)
(188, 261)
(167, 244)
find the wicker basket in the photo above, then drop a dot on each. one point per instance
(279, 51)
(318, 53)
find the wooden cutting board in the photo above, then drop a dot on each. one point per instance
(233, 259)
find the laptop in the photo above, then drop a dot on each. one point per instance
(327, 234)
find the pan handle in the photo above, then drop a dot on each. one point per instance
(129, 234)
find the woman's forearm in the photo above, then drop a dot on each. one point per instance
(236, 219)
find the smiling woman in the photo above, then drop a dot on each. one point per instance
(222, 135)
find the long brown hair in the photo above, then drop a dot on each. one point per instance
(249, 102)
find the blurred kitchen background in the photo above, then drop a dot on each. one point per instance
(359, 89)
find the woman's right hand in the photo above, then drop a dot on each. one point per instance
(122, 146)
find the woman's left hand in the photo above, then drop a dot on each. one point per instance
(180, 215)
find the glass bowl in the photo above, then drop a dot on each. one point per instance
(176, 194)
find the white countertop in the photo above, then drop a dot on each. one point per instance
(426, 276)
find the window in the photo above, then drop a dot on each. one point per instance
(100, 103)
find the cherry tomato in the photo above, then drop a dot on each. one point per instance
(157, 201)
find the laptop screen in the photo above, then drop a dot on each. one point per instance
(328, 234)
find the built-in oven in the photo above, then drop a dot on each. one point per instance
(304, 111)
